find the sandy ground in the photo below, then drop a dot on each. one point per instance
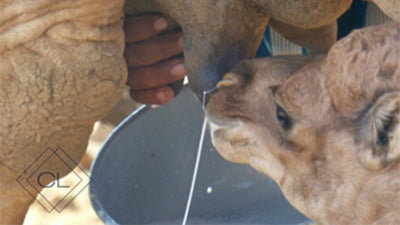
(79, 211)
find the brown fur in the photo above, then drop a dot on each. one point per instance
(338, 160)
(62, 66)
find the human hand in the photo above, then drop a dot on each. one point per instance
(154, 60)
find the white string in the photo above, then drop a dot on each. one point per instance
(196, 166)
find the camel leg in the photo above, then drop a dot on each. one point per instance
(49, 104)
(53, 88)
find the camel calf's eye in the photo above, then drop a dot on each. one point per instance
(283, 118)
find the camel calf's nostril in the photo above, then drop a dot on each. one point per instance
(229, 81)
(226, 84)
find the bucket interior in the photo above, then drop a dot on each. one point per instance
(143, 174)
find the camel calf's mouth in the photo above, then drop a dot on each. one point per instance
(230, 134)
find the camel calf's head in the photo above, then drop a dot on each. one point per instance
(326, 129)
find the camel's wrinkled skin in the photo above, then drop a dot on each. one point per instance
(62, 66)
(61, 69)
(326, 129)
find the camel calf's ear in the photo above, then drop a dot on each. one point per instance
(380, 132)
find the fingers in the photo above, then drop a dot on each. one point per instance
(152, 58)
(143, 27)
(154, 50)
(149, 84)
(158, 96)
(157, 75)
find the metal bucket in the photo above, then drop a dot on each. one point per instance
(143, 174)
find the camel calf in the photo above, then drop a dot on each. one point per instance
(326, 129)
